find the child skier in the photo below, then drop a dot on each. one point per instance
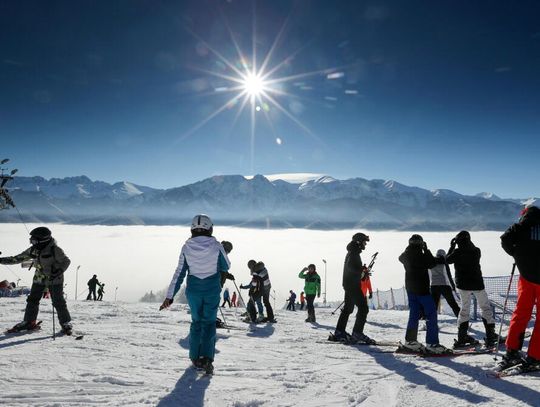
(255, 294)
(312, 287)
(101, 291)
(203, 259)
(50, 263)
(442, 283)
(417, 259)
(469, 281)
(522, 241)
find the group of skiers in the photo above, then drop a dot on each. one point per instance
(521, 240)
(93, 284)
(204, 264)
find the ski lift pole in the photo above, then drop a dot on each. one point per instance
(115, 291)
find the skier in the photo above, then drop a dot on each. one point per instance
(203, 259)
(312, 287)
(302, 301)
(254, 293)
(522, 241)
(92, 285)
(233, 299)
(50, 263)
(226, 298)
(417, 259)
(260, 270)
(469, 281)
(442, 283)
(291, 300)
(353, 272)
(100, 292)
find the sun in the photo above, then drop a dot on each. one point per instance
(253, 84)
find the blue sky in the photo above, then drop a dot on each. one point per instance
(434, 94)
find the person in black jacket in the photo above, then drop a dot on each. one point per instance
(92, 285)
(469, 281)
(417, 260)
(353, 272)
(522, 241)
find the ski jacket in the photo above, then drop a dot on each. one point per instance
(312, 283)
(260, 271)
(440, 274)
(417, 261)
(466, 261)
(522, 241)
(50, 263)
(352, 267)
(201, 257)
(255, 286)
(93, 283)
(302, 298)
(226, 295)
(292, 298)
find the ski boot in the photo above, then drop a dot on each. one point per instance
(207, 366)
(412, 347)
(531, 364)
(25, 326)
(438, 349)
(197, 363)
(262, 320)
(271, 321)
(510, 359)
(358, 337)
(491, 337)
(67, 328)
(340, 336)
(464, 340)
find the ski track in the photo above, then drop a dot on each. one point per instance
(134, 355)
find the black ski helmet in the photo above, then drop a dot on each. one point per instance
(360, 237)
(463, 237)
(530, 214)
(416, 240)
(40, 235)
(227, 246)
(251, 264)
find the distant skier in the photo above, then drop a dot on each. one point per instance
(417, 259)
(442, 283)
(312, 288)
(226, 298)
(233, 299)
(92, 285)
(292, 301)
(254, 293)
(353, 272)
(469, 281)
(522, 241)
(203, 259)
(302, 301)
(50, 263)
(101, 291)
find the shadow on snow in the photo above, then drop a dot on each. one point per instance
(188, 391)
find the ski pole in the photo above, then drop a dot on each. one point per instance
(504, 309)
(224, 320)
(53, 325)
(338, 307)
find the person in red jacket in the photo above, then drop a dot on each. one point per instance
(522, 241)
(302, 300)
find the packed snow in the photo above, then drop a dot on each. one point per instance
(134, 355)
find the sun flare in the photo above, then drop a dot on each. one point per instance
(253, 84)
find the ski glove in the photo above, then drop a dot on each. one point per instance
(166, 304)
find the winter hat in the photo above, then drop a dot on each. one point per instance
(227, 246)
(416, 240)
(530, 214)
(312, 266)
(441, 253)
(251, 264)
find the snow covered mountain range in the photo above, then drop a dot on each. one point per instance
(282, 200)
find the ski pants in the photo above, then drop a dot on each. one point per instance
(417, 303)
(226, 301)
(528, 294)
(252, 311)
(266, 300)
(91, 293)
(483, 303)
(302, 304)
(58, 301)
(353, 297)
(448, 294)
(310, 298)
(291, 306)
(202, 333)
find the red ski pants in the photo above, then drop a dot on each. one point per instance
(528, 295)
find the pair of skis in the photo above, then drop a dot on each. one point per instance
(12, 331)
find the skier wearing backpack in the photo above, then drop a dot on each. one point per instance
(417, 259)
(522, 242)
(203, 259)
(312, 287)
(50, 263)
(469, 281)
(353, 272)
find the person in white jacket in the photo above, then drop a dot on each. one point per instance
(203, 260)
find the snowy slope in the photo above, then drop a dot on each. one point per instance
(133, 355)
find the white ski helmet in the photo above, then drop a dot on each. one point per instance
(201, 221)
